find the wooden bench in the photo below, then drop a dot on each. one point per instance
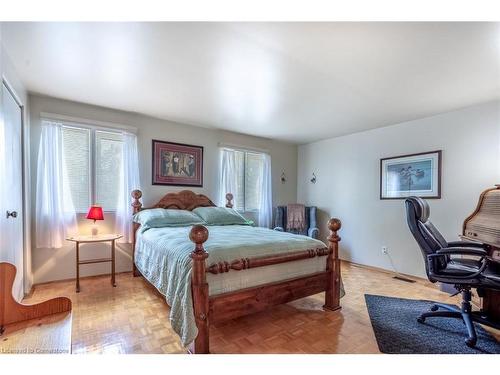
(39, 328)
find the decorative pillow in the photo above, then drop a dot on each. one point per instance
(161, 217)
(221, 216)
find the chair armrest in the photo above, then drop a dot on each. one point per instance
(468, 244)
(279, 229)
(462, 251)
(313, 232)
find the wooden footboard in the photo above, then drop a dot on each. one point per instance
(247, 301)
(235, 304)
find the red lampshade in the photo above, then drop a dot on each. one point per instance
(95, 213)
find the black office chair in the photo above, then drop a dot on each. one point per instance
(441, 265)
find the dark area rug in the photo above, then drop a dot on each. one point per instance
(394, 322)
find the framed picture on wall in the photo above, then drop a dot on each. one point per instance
(177, 164)
(411, 175)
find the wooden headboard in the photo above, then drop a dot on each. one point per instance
(182, 200)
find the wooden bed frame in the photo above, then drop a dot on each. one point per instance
(232, 305)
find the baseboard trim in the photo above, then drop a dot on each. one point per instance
(74, 279)
(417, 279)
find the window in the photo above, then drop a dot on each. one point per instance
(249, 166)
(108, 160)
(76, 154)
(93, 160)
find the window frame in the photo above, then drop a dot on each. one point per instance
(92, 156)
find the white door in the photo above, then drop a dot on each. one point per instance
(11, 178)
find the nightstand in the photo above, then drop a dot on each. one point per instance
(94, 239)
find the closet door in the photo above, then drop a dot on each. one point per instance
(11, 224)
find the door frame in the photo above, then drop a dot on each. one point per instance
(27, 282)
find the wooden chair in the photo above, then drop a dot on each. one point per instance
(39, 327)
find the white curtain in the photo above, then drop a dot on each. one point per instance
(55, 213)
(266, 200)
(228, 176)
(129, 175)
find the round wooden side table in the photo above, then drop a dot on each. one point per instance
(94, 239)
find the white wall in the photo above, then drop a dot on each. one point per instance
(347, 170)
(50, 264)
(9, 74)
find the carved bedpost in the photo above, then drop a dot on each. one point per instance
(199, 289)
(137, 206)
(332, 294)
(229, 198)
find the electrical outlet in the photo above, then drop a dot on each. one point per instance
(384, 250)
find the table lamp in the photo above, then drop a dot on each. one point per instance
(95, 213)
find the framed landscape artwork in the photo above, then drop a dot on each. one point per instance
(411, 175)
(177, 164)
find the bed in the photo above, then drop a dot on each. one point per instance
(230, 270)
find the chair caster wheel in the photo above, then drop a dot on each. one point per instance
(434, 308)
(471, 343)
(420, 319)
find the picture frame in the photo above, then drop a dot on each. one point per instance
(177, 164)
(411, 175)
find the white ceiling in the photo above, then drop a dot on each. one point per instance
(297, 82)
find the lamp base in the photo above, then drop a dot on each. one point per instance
(95, 230)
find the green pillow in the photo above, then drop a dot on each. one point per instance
(221, 216)
(161, 217)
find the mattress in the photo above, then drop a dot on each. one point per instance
(162, 256)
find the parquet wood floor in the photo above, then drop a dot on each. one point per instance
(133, 317)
